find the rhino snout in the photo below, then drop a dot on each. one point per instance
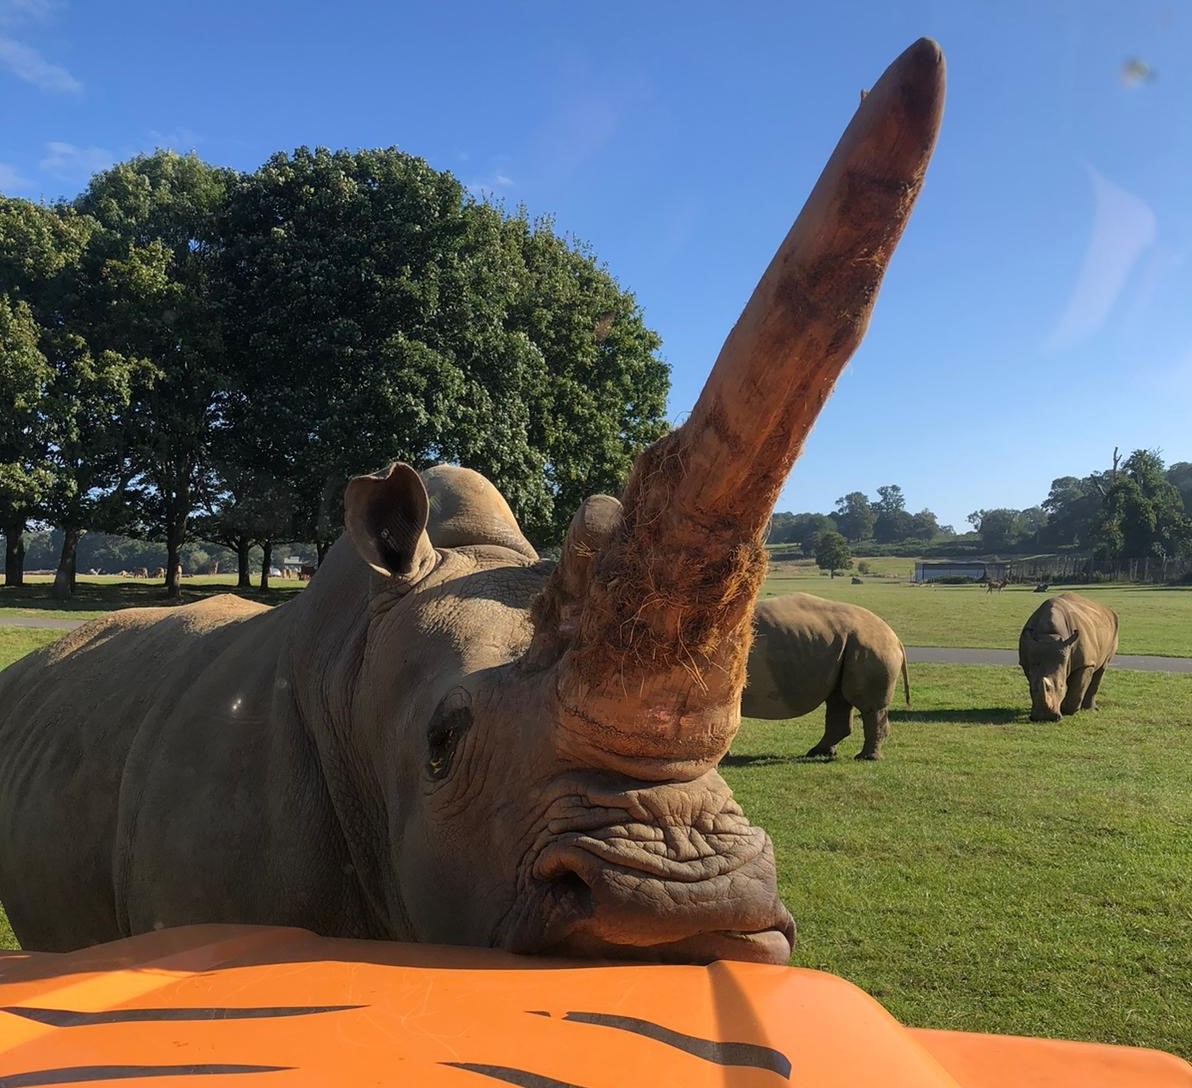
(1047, 695)
(619, 898)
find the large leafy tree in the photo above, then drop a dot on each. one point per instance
(1002, 529)
(855, 516)
(925, 525)
(1179, 475)
(1143, 513)
(1073, 506)
(832, 553)
(890, 499)
(604, 389)
(82, 415)
(373, 312)
(69, 443)
(891, 526)
(152, 255)
(802, 529)
(25, 475)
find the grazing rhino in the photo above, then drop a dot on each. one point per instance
(443, 738)
(1064, 650)
(807, 651)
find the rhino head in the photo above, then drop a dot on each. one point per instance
(531, 749)
(1046, 668)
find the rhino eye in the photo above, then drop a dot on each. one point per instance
(451, 720)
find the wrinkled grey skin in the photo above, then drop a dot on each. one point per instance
(227, 762)
(442, 738)
(1064, 650)
(808, 651)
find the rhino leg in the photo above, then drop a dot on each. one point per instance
(1079, 684)
(1089, 702)
(876, 725)
(838, 724)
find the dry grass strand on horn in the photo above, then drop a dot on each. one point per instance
(671, 592)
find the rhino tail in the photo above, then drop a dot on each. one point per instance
(906, 680)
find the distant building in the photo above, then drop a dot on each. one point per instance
(975, 569)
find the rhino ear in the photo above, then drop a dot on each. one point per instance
(386, 517)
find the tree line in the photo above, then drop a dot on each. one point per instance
(1136, 509)
(190, 351)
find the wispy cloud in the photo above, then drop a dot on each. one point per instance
(25, 62)
(181, 140)
(22, 60)
(11, 179)
(1123, 228)
(71, 163)
(16, 13)
(24, 11)
(481, 190)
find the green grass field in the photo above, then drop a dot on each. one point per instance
(989, 874)
(1154, 619)
(105, 593)
(17, 641)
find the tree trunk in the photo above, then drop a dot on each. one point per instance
(64, 578)
(14, 554)
(266, 560)
(243, 574)
(321, 551)
(175, 535)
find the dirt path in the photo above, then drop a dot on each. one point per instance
(935, 655)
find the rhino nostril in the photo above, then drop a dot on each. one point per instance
(571, 888)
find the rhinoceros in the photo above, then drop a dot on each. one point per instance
(807, 651)
(443, 738)
(1064, 650)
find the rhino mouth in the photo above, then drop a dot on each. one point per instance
(614, 897)
(763, 946)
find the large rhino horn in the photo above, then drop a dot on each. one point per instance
(653, 676)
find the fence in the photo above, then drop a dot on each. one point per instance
(1075, 568)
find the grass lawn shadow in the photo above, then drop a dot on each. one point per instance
(771, 759)
(987, 715)
(104, 597)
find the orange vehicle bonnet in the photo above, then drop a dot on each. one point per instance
(261, 1006)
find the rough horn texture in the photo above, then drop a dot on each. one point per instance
(441, 738)
(808, 651)
(1064, 649)
(658, 666)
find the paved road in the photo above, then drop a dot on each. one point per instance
(936, 655)
(44, 621)
(945, 655)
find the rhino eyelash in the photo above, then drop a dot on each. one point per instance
(442, 740)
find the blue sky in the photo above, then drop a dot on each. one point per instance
(1035, 316)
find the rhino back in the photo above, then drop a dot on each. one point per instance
(71, 716)
(1098, 627)
(1058, 617)
(797, 653)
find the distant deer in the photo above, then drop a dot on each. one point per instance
(993, 583)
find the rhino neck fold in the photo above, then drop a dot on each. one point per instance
(330, 641)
